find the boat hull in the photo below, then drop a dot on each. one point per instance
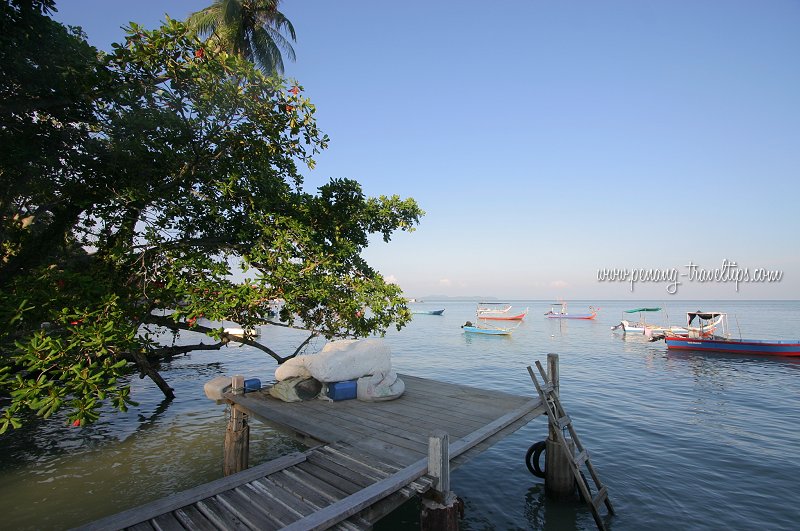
(571, 316)
(637, 328)
(487, 331)
(519, 317)
(429, 312)
(736, 346)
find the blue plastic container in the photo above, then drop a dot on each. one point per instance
(252, 384)
(345, 390)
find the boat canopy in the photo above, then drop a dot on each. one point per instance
(702, 315)
(637, 310)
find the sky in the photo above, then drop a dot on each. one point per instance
(554, 143)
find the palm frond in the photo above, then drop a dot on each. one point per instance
(205, 21)
(253, 29)
(266, 53)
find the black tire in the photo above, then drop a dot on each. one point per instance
(532, 458)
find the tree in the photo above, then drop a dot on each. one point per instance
(170, 162)
(252, 29)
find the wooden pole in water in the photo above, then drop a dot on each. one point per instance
(236, 452)
(442, 509)
(559, 481)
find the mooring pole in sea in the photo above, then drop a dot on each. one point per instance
(559, 482)
(236, 451)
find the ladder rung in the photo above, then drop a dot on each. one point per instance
(581, 458)
(563, 422)
(547, 388)
(600, 497)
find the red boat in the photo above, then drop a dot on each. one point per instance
(491, 317)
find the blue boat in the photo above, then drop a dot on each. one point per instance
(776, 347)
(486, 329)
(724, 343)
(428, 312)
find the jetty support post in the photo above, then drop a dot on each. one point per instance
(442, 509)
(559, 481)
(236, 452)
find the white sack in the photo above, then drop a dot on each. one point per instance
(292, 368)
(379, 387)
(214, 389)
(345, 359)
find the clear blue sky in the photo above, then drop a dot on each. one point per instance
(546, 140)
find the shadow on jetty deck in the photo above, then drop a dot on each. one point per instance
(372, 457)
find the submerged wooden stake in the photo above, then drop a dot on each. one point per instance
(237, 443)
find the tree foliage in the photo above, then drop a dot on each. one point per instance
(131, 184)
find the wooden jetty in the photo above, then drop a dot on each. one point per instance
(366, 459)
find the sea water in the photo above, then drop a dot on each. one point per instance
(682, 440)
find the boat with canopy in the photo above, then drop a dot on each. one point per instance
(724, 342)
(641, 326)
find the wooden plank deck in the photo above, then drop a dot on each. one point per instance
(371, 458)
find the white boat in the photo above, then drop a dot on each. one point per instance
(643, 327)
(493, 307)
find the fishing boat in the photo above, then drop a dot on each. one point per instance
(486, 329)
(498, 314)
(493, 307)
(725, 343)
(643, 327)
(492, 317)
(428, 312)
(563, 314)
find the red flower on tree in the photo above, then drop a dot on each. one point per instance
(294, 90)
(199, 53)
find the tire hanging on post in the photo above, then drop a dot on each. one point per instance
(532, 458)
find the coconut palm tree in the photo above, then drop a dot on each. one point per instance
(250, 28)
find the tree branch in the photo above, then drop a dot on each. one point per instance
(145, 369)
(166, 322)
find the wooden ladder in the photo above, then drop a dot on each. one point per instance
(559, 420)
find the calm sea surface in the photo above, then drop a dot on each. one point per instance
(683, 440)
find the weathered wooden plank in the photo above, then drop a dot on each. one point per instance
(166, 522)
(283, 415)
(142, 526)
(326, 463)
(469, 396)
(328, 490)
(314, 498)
(421, 407)
(328, 477)
(361, 499)
(407, 419)
(352, 463)
(290, 505)
(360, 428)
(219, 515)
(254, 512)
(193, 519)
(181, 499)
(435, 390)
